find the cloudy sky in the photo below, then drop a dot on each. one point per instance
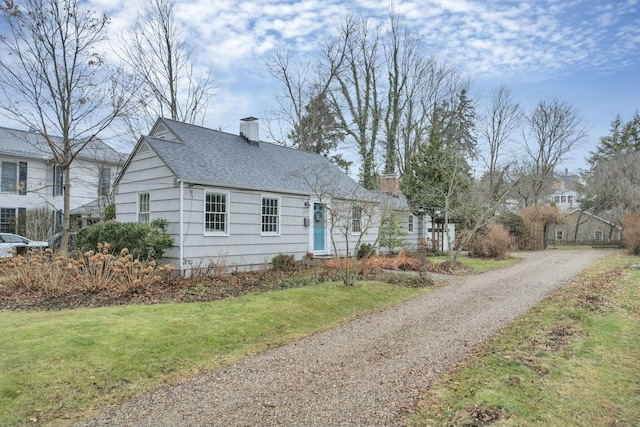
(586, 52)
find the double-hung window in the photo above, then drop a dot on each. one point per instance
(14, 177)
(58, 187)
(559, 234)
(216, 213)
(598, 235)
(410, 224)
(270, 216)
(7, 220)
(143, 208)
(356, 219)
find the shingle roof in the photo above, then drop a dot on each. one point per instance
(31, 145)
(218, 158)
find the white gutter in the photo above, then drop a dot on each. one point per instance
(181, 225)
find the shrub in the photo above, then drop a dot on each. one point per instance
(514, 223)
(391, 234)
(53, 275)
(631, 232)
(283, 262)
(492, 242)
(142, 241)
(365, 250)
(109, 212)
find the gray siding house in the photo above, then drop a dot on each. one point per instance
(236, 202)
(582, 227)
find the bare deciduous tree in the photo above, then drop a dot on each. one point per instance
(305, 118)
(357, 98)
(170, 85)
(501, 119)
(431, 83)
(554, 129)
(56, 82)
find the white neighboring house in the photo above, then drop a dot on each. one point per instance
(30, 178)
(564, 195)
(233, 200)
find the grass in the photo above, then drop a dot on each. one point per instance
(478, 265)
(57, 367)
(573, 360)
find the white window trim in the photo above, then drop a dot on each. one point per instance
(595, 235)
(411, 224)
(560, 233)
(138, 207)
(227, 213)
(279, 216)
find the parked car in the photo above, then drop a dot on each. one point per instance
(56, 240)
(12, 242)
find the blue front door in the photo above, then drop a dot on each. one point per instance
(319, 222)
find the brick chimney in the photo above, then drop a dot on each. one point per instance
(250, 130)
(390, 184)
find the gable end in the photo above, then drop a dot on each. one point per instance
(160, 131)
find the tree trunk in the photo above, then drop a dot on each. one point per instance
(66, 210)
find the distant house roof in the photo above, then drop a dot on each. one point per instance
(31, 145)
(579, 211)
(199, 155)
(94, 206)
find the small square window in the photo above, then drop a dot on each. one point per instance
(559, 234)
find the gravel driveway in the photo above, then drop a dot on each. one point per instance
(365, 373)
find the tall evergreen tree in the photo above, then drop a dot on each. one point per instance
(622, 139)
(318, 131)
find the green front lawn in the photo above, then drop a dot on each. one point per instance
(57, 367)
(573, 360)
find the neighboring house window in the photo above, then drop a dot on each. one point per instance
(14, 177)
(410, 225)
(270, 215)
(356, 219)
(598, 235)
(7, 220)
(216, 213)
(104, 181)
(559, 235)
(143, 208)
(58, 186)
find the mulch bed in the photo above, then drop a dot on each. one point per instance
(205, 288)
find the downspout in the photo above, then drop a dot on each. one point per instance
(181, 226)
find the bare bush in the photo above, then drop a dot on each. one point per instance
(493, 242)
(54, 275)
(35, 271)
(39, 223)
(631, 232)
